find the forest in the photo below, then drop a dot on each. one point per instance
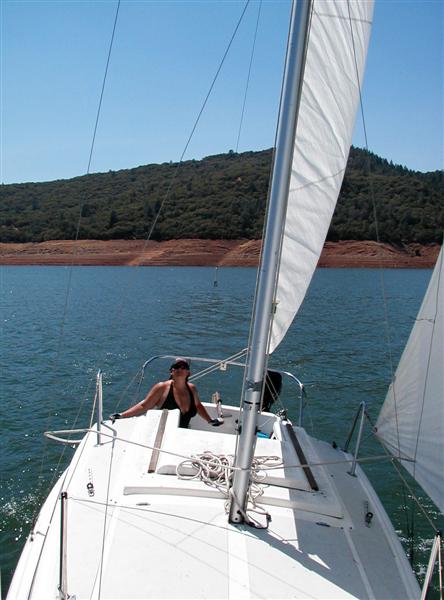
(219, 197)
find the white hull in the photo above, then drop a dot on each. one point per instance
(153, 535)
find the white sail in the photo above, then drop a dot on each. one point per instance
(336, 55)
(411, 421)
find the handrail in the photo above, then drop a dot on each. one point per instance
(220, 364)
(302, 394)
(50, 435)
(215, 364)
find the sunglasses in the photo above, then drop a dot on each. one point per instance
(181, 367)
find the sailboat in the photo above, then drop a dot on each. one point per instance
(253, 508)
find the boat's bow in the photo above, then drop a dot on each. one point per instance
(134, 529)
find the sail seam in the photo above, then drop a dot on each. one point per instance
(341, 18)
(318, 181)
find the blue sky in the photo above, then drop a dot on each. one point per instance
(165, 54)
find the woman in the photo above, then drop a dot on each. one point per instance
(176, 392)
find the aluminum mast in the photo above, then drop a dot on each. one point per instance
(265, 291)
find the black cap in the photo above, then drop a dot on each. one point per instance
(180, 362)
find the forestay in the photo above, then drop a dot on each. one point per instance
(411, 422)
(336, 55)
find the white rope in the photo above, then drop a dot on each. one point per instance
(216, 470)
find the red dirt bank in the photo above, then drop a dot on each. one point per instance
(224, 253)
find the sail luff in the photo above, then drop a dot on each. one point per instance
(339, 36)
(317, 117)
(411, 421)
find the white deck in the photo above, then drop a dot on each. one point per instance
(161, 537)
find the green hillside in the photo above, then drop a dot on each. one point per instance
(219, 197)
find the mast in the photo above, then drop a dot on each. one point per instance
(265, 291)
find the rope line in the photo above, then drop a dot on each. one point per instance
(166, 196)
(179, 164)
(415, 498)
(62, 453)
(397, 465)
(194, 127)
(410, 527)
(376, 222)
(136, 380)
(164, 200)
(386, 456)
(70, 268)
(105, 520)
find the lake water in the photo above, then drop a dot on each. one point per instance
(59, 325)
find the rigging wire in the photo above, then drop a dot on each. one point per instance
(194, 127)
(410, 526)
(414, 496)
(70, 268)
(367, 459)
(376, 222)
(105, 520)
(165, 198)
(396, 461)
(82, 202)
(249, 74)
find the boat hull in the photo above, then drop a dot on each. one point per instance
(141, 534)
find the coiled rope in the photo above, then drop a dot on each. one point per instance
(216, 470)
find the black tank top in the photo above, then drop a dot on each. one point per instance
(185, 417)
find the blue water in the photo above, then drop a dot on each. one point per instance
(59, 325)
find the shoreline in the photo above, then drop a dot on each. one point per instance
(207, 253)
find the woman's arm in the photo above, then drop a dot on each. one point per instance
(151, 399)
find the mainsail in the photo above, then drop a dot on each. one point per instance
(411, 421)
(336, 54)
